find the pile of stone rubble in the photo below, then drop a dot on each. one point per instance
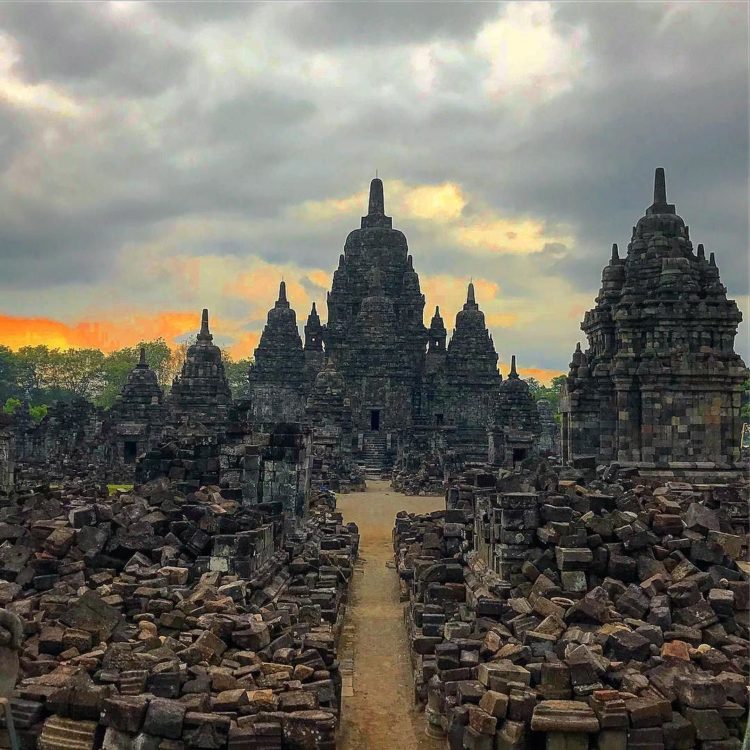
(159, 620)
(416, 473)
(611, 616)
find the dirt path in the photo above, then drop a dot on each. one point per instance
(378, 708)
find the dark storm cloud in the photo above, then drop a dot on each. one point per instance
(226, 112)
(85, 44)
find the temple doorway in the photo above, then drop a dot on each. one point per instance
(375, 420)
(130, 451)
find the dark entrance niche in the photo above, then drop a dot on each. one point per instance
(130, 451)
(438, 419)
(519, 454)
(375, 420)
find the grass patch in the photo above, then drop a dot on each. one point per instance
(113, 488)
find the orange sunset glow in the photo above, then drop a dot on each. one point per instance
(106, 335)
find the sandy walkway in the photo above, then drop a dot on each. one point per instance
(377, 711)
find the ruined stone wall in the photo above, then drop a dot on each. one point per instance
(254, 468)
(285, 469)
(272, 403)
(7, 454)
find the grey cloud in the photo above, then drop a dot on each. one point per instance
(82, 44)
(650, 96)
(193, 13)
(364, 23)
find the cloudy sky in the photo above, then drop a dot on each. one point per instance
(161, 157)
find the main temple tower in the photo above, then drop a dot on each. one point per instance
(375, 334)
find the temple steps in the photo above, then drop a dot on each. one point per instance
(374, 455)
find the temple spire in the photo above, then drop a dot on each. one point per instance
(205, 334)
(376, 208)
(377, 201)
(660, 205)
(660, 186)
(470, 294)
(282, 291)
(142, 358)
(701, 252)
(513, 373)
(615, 253)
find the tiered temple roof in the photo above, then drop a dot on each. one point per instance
(279, 356)
(471, 353)
(376, 267)
(660, 380)
(201, 391)
(515, 408)
(140, 390)
(437, 334)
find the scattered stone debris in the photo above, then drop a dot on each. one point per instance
(419, 474)
(608, 615)
(156, 619)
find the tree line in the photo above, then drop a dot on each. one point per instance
(44, 375)
(549, 392)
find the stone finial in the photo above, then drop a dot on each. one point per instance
(712, 260)
(513, 373)
(701, 252)
(377, 201)
(615, 253)
(282, 291)
(470, 298)
(660, 205)
(205, 334)
(314, 310)
(376, 208)
(142, 358)
(660, 186)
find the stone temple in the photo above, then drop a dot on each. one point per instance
(659, 386)
(402, 381)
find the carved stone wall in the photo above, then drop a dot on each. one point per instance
(660, 384)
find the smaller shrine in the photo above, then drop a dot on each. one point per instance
(516, 426)
(201, 393)
(136, 420)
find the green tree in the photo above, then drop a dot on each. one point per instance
(549, 392)
(82, 372)
(8, 374)
(37, 413)
(40, 369)
(236, 371)
(534, 386)
(11, 404)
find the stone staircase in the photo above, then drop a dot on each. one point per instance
(374, 455)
